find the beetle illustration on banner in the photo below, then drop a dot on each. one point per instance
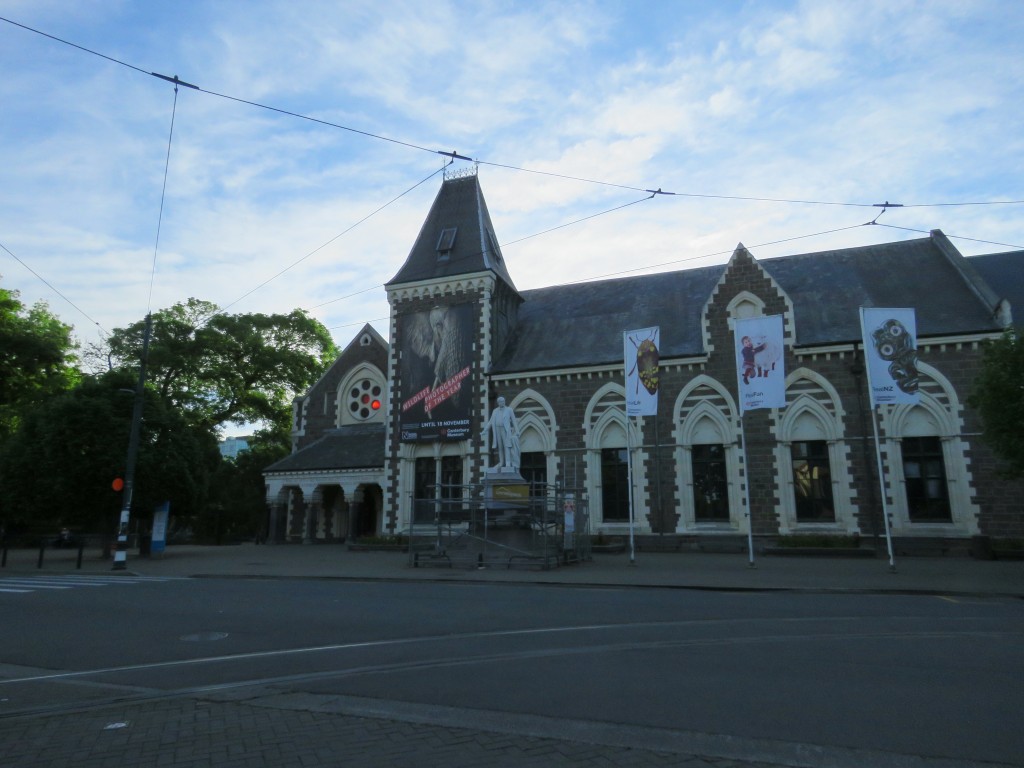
(760, 375)
(890, 352)
(641, 359)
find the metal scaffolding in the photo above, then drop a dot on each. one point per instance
(459, 527)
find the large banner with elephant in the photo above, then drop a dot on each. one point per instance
(436, 373)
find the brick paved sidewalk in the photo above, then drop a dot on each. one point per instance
(194, 733)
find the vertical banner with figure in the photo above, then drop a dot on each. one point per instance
(890, 353)
(760, 375)
(641, 359)
(436, 373)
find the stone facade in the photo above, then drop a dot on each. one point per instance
(700, 469)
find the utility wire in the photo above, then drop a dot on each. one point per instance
(475, 254)
(709, 255)
(340, 234)
(163, 197)
(457, 156)
(55, 290)
(317, 120)
(577, 221)
(75, 45)
(956, 237)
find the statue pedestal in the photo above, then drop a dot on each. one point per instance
(505, 488)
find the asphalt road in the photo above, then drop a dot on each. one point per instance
(775, 678)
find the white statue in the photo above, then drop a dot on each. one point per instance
(505, 435)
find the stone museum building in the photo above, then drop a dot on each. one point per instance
(392, 420)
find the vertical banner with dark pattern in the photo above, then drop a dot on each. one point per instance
(436, 364)
(890, 351)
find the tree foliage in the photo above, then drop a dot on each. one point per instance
(998, 395)
(219, 368)
(57, 469)
(36, 358)
(238, 490)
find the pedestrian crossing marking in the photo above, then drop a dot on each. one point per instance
(25, 584)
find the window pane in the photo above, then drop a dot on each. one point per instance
(451, 477)
(710, 487)
(423, 507)
(533, 466)
(614, 484)
(925, 475)
(812, 482)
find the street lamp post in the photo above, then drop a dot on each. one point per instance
(121, 553)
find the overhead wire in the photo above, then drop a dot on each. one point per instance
(454, 155)
(710, 255)
(56, 290)
(163, 197)
(474, 254)
(340, 234)
(957, 237)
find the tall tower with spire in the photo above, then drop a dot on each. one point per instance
(453, 308)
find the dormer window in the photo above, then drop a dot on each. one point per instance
(445, 243)
(494, 246)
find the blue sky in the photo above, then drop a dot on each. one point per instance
(919, 103)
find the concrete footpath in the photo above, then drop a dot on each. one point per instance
(949, 575)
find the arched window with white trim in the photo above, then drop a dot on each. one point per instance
(707, 459)
(812, 458)
(927, 469)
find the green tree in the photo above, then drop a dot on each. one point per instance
(58, 467)
(219, 368)
(237, 494)
(36, 358)
(998, 395)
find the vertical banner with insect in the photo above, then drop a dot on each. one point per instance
(760, 374)
(642, 357)
(890, 353)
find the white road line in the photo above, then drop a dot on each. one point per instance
(34, 585)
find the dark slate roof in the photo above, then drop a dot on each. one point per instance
(357, 446)
(460, 205)
(1005, 273)
(582, 324)
(828, 287)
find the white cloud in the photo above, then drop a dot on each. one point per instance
(821, 101)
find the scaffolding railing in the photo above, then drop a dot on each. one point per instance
(457, 526)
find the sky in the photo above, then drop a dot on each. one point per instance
(299, 172)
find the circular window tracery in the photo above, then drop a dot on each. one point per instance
(364, 399)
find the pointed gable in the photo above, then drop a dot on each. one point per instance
(457, 237)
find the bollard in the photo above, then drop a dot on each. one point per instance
(42, 548)
(3, 563)
(81, 548)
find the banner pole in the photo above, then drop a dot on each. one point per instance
(881, 482)
(629, 475)
(878, 444)
(746, 475)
